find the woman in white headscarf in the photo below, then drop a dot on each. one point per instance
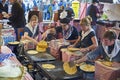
(32, 28)
(88, 40)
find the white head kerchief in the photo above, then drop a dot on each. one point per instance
(86, 33)
(31, 28)
(115, 51)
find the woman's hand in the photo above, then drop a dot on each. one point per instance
(26, 37)
(83, 50)
(78, 61)
(70, 46)
(44, 35)
(83, 59)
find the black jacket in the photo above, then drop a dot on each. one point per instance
(17, 19)
(3, 8)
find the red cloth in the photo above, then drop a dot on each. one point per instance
(83, 7)
(66, 55)
(55, 46)
(103, 72)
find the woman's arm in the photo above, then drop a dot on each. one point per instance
(77, 41)
(92, 47)
(91, 56)
(83, 59)
(31, 39)
(44, 35)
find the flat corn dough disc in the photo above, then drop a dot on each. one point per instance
(79, 64)
(87, 67)
(32, 52)
(73, 49)
(107, 63)
(15, 42)
(48, 66)
(69, 70)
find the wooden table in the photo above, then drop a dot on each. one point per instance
(103, 72)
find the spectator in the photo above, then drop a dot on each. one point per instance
(23, 5)
(31, 4)
(54, 6)
(17, 18)
(35, 3)
(93, 12)
(3, 6)
(62, 3)
(40, 5)
(68, 7)
(45, 10)
(59, 11)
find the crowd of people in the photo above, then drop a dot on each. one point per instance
(47, 7)
(85, 39)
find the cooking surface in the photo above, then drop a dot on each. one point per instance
(57, 73)
(40, 57)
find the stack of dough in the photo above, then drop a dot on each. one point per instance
(41, 46)
(69, 70)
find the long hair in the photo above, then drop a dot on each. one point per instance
(86, 21)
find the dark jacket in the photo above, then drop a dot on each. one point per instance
(26, 29)
(3, 8)
(17, 19)
(92, 11)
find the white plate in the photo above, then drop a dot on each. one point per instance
(14, 43)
